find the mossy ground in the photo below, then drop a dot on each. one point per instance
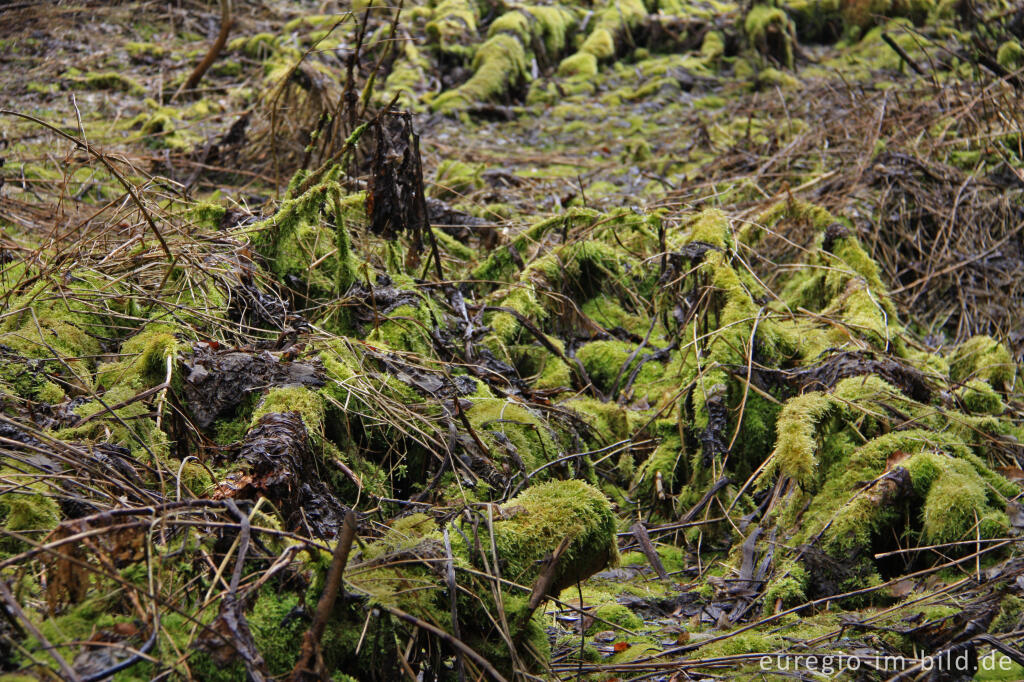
(666, 298)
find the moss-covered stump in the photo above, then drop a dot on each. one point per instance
(406, 572)
(500, 64)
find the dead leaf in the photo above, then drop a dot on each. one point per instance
(1014, 474)
(902, 588)
(895, 458)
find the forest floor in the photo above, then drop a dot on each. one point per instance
(453, 339)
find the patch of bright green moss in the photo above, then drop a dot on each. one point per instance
(108, 80)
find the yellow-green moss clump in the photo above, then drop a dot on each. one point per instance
(609, 366)
(500, 63)
(50, 318)
(455, 178)
(616, 614)
(259, 46)
(453, 29)
(107, 80)
(771, 33)
(1011, 55)
(139, 51)
(982, 357)
(528, 528)
(958, 499)
(541, 517)
(787, 588)
(978, 396)
(159, 131)
(407, 78)
(146, 354)
(29, 512)
(308, 403)
(612, 27)
(512, 431)
(301, 242)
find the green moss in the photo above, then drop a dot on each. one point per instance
(978, 396)
(600, 43)
(616, 614)
(982, 357)
(796, 446)
(527, 432)
(454, 27)
(108, 80)
(159, 131)
(1011, 55)
(713, 45)
(456, 178)
(556, 23)
(41, 88)
(524, 531)
(276, 630)
(580, 270)
(51, 318)
(306, 402)
(302, 245)
(208, 214)
(499, 266)
(406, 328)
(644, 647)
(852, 255)
(770, 32)
(229, 68)
(611, 422)
(499, 64)
(196, 479)
(24, 379)
(259, 46)
(533, 646)
(605, 364)
(308, 21)
(787, 588)
(612, 25)
(49, 392)
(30, 512)
(80, 622)
(673, 558)
(771, 78)
(749, 642)
(1010, 610)
(139, 51)
(507, 328)
(545, 514)
(145, 364)
(555, 374)
(228, 431)
(516, 23)
(407, 79)
(710, 227)
(608, 312)
(660, 474)
(955, 503)
(453, 247)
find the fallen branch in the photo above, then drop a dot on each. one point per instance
(197, 74)
(311, 641)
